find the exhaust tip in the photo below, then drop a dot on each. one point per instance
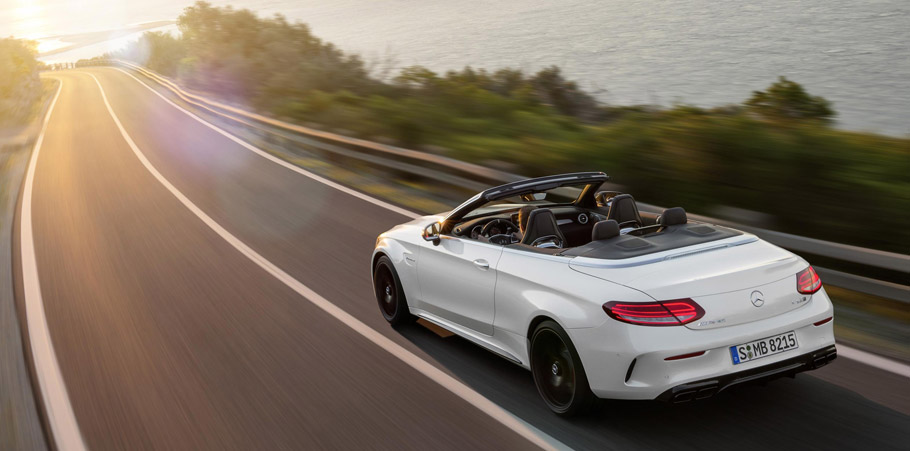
(694, 394)
(706, 393)
(824, 359)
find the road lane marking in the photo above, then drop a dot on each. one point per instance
(427, 369)
(853, 354)
(60, 416)
(279, 161)
(873, 360)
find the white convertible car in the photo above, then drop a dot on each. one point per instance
(599, 300)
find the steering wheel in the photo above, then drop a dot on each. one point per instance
(501, 226)
(633, 222)
(548, 239)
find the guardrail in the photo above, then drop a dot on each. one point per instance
(257, 121)
(476, 178)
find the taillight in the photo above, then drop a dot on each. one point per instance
(662, 313)
(807, 281)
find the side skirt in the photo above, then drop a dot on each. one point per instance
(473, 337)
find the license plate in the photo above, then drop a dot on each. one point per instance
(757, 349)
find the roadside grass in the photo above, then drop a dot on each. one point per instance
(10, 162)
(873, 323)
(398, 192)
(889, 308)
(16, 138)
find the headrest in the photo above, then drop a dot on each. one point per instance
(620, 197)
(541, 222)
(523, 214)
(623, 209)
(605, 229)
(541, 217)
(673, 216)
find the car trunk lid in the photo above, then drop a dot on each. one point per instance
(734, 285)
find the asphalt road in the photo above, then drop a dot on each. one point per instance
(168, 337)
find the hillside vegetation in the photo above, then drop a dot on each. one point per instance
(20, 87)
(775, 153)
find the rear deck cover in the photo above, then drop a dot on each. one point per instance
(672, 237)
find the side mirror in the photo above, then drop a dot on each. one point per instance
(431, 233)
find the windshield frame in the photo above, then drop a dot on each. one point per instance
(512, 206)
(589, 181)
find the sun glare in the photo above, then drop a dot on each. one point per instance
(27, 20)
(46, 45)
(27, 8)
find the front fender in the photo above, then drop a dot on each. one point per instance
(404, 258)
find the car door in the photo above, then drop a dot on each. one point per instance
(457, 281)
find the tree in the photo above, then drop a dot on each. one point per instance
(417, 77)
(245, 58)
(565, 96)
(787, 100)
(156, 50)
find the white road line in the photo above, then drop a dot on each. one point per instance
(853, 354)
(424, 367)
(60, 416)
(279, 161)
(873, 360)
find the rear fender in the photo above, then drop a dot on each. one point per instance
(531, 285)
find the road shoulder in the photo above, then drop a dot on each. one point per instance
(20, 420)
(874, 384)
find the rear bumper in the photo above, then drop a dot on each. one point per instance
(707, 388)
(626, 361)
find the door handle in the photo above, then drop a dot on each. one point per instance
(482, 264)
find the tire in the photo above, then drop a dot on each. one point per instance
(389, 294)
(558, 373)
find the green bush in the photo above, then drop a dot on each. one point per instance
(20, 87)
(786, 100)
(815, 181)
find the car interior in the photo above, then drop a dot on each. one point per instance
(611, 228)
(558, 225)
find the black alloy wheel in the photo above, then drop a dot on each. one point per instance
(557, 370)
(389, 294)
